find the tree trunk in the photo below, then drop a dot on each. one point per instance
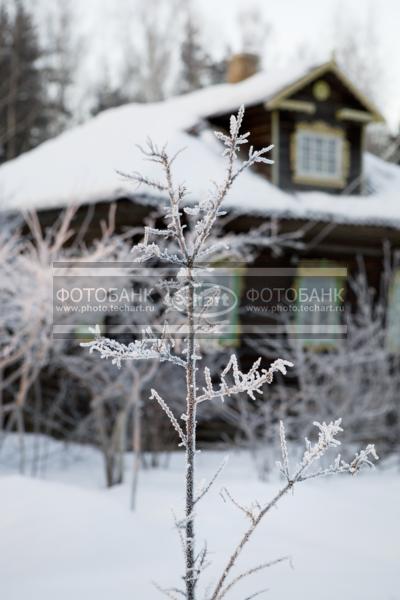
(136, 448)
(190, 446)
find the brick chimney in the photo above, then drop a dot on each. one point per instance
(241, 66)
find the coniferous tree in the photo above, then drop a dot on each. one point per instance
(199, 67)
(23, 114)
(62, 47)
(108, 95)
(194, 59)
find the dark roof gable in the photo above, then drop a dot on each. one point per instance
(329, 68)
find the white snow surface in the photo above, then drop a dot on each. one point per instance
(79, 166)
(66, 536)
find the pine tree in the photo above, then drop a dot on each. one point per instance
(107, 95)
(23, 115)
(194, 59)
(198, 67)
(62, 47)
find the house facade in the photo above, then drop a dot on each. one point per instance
(322, 182)
(316, 124)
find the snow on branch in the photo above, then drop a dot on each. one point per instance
(175, 193)
(189, 244)
(206, 487)
(235, 140)
(211, 206)
(184, 240)
(149, 347)
(327, 438)
(145, 251)
(250, 572)
(156, 396)
(250, 383)
(171, 593)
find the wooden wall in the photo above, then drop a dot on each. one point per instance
(258, 120)
(340, 97)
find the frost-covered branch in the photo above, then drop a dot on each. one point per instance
(171, 593)
(174, 422)
(246, 244)
(185, 240)
(313, 452)
(256, 594)
(327, 433)
(357, 376)
(211, 206)
(207, 486)
(250, 383)
(176, 194)
(250, 572)
(147, 348)
(27, 344)
(183, 244)
(248, 511)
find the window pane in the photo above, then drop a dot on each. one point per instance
(318, 307)
(319, 155)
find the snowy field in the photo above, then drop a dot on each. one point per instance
(64, 537)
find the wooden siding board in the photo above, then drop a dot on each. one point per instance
(258, 120)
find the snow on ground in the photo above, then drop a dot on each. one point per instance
(66, 537)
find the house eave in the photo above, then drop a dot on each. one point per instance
(328, 67)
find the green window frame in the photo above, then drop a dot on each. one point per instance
(393, 315)
(232, 339)
(314, 311)
(231, 277)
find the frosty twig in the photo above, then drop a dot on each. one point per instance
(185, 241)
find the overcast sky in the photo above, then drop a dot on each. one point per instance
(297, 22)
(294, 23)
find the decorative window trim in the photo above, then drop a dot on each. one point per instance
(323, 129)
(313, 268)
(321, 90)
(300, 106)
(321, 71)
(275, 125)
(393, 315)
(231, 338)
(350, 114)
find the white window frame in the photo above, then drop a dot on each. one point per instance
(319, 158)
(332, 147)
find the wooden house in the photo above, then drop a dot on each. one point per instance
(321, 180)
(316, 123)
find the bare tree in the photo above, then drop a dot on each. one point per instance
(27, 343)
(254, 30)
(357, 376)
(115, 398)
(148, 42)
(356, 45)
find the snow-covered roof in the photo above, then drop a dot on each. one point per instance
(79, 166)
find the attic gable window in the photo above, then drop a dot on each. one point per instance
(319, 155)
